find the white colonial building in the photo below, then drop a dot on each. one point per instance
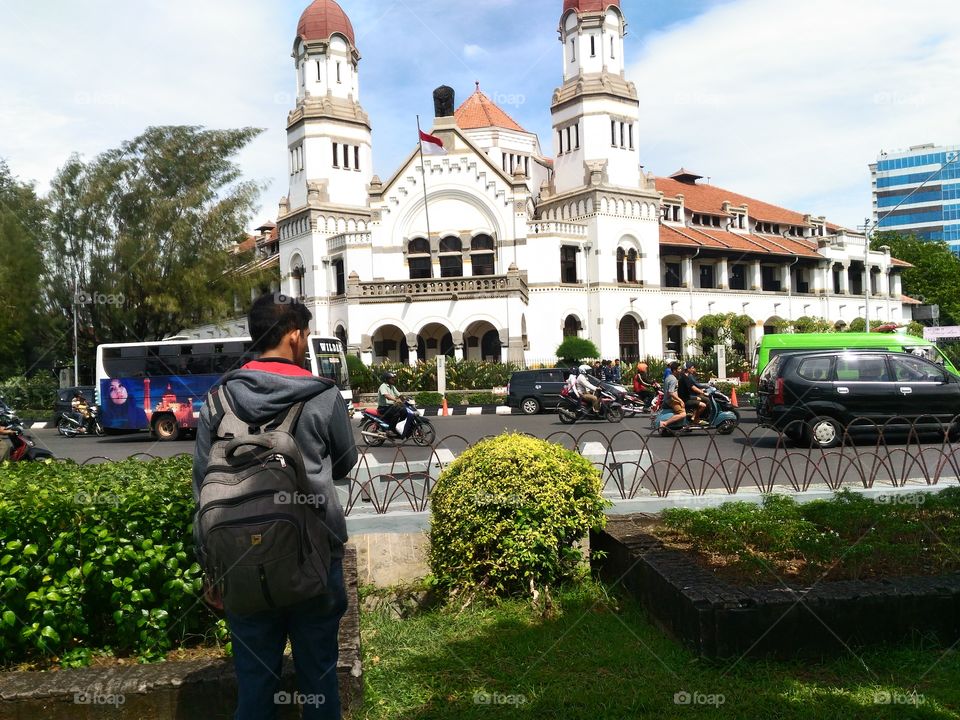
(527, 245)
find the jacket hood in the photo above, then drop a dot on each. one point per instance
(260, 396)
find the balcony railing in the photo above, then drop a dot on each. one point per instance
(344, 240)
(513, 284)
(553, 227)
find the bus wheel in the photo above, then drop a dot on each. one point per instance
(166, 428)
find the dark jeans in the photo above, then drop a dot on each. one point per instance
(258, 643)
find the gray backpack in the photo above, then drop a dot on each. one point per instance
(262, 537)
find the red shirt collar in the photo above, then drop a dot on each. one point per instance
(278, 366)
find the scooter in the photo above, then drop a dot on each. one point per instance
(720, 415)
(632, 402)
(70, 426)
(570, 408)
(24, 447)
(376, 431)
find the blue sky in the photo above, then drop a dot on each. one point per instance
(787, 101)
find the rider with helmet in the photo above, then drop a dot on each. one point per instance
(586, 389)
(389, 400)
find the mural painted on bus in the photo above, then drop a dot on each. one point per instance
(130, 403)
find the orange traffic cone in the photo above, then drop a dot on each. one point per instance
(733, 397)
(445, 409)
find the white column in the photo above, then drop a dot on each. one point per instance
(413, 356)
(458, 352)
(723, 274)
(504, 353)
(757, 277)
(687, 279)
(845, 279)
(367, 358)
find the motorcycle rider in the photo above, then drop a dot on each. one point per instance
(671, 397)
(81, 408)
(5, 433)
(389, 401)
(692, 393)
(643, 385)
(587, 391)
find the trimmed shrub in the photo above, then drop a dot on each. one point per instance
(428, 399)
(99, 556)
(509, 511)
(574, 349)
(484, 398)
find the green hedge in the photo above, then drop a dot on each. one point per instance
(462, 375)
(37, 392)
(98, 557)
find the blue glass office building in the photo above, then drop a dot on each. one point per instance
(933, 212)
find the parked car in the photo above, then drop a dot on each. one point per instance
(536, 390)
(65, 397)
(814, 396)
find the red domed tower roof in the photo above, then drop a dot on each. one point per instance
(322, 19)
(582, 6)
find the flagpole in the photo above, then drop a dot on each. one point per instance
(423, 171)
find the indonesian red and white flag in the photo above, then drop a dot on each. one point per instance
(431, 144)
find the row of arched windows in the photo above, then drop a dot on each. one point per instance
(450, 253)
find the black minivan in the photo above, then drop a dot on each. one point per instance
(536, 390)
(813, 396)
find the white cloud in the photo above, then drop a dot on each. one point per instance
(473, 52)
(790, 101)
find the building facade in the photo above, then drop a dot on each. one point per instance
(526, 244)
(918, 191)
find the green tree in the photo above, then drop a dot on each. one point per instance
(22, 324)
(935, 274)
(147, 230)
(575, 349)
(805, 324)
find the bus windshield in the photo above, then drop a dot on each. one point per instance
(329, 361)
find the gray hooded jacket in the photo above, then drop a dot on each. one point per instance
(323, 432)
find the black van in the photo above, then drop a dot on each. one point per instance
(813, 396)
(536, 390)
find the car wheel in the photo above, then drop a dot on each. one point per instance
(530, 406)
(166, 428)
(825, 432)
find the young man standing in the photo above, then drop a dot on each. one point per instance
(261, 391)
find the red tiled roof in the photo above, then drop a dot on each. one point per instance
(582, 6)
(479, 111)
(900, 263)
(702, 198)
(247, 245)
(746, 243)
(322, 19)
(906, 300)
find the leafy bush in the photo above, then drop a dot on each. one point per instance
(462, 375)
(575, 349)
(509, 511)
(98, 557)
(428, 399)
(484, 398)
(34, 393)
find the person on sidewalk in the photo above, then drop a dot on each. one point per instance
(261, 391)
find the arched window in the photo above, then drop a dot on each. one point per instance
(451, 257)
(621, 255)
(482, 255)
(419, 260)
(297, 274)
(632, 266)
(341, 333)
(572, 326)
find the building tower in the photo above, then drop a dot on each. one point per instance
(328, 133)
(595, 111)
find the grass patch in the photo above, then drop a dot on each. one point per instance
(847, 538)
(596, 657)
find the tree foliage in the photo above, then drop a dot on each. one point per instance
(935, 275)
(575, 349)
(22, 325)
(146, 231)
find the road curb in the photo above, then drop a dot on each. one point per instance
(457, 410)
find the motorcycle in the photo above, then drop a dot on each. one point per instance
(71, 425)
(376, 431)
(24, 447)
(632, 402)
(571, 409)
(720, 415)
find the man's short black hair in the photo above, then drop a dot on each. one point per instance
(272, 316)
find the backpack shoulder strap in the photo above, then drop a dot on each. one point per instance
(287, 420)
(223, 420)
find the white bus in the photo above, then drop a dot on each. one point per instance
(161, 386)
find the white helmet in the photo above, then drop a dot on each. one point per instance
(586, 369)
